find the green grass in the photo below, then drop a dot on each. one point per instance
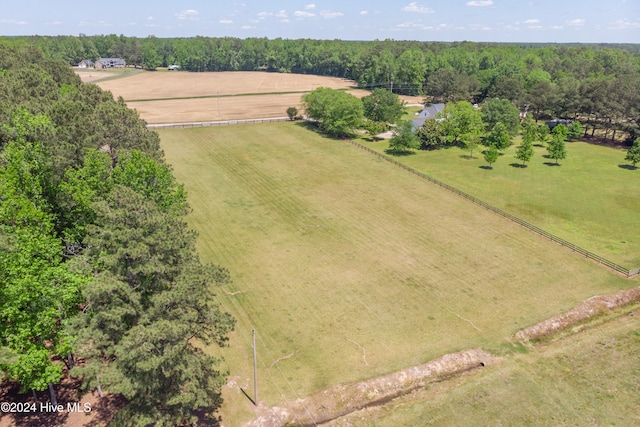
(591, 378)
(591, 199)
(354, 266)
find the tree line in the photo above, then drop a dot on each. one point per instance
(599, 84)
(99, 276)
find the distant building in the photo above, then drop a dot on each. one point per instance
(429, 112)
(110, 63)
(553, 123)
(86, 63)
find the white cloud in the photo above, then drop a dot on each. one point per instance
(302, 14)
(248, 27)
(151, 18)
(13, 21)
(187, 14)
(310, 6)
(282, 14)
(53, 23)
(531, 21)
(624, 24)
(415, 7)
(327, 14)
(364, 12)
(480, 3)
(576, 23)
(225, 21)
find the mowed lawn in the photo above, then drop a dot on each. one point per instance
(592, 199)
(349, 267)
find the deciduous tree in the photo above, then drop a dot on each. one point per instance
(404, 139)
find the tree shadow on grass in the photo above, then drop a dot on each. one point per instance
(628, 167)
(517, 165)
(466, 156)
(552, 164)
(399, 153)
(485, 167)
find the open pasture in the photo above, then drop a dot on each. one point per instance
(350, 268)
(592, 199)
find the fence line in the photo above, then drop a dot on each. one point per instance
(157, 126)
(601, 260)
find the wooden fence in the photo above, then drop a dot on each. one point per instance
(603, 261)
(216, 123)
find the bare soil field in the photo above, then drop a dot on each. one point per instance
(221, 108)
(182, 97)
(162, 85)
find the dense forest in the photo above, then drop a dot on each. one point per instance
(599, 84)
(99, 277)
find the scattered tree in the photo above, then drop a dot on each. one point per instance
(557, 149)
(501, 111)
(525, 151)
(337, 112)
(383, 106)
(292, 112)
(491, 155)
(498, 137)
(404, 140)
(431, 135)
(633, 155)
(461, 119)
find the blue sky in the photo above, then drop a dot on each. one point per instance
(613, 21)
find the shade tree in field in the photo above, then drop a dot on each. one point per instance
(432, 135)
(337, 112)
(633, 154)
(498, 137)
(292, 113)
(404, 139)
(501, 111)
(557, 148)
(461, 123)
(575, 130)
(524, 152)
(491, 155)
(543, 134)
(383, 106)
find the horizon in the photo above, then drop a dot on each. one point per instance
(479, 21)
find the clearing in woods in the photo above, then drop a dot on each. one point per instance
(350, 268)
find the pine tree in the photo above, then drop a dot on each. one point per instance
(633, 155)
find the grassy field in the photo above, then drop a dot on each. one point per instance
(591, 378)
(350, 268)
(592, 199)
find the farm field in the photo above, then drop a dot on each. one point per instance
(350, 268)
(591, 200)
(589, 378)
(182, 97)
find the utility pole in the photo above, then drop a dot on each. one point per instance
(255, 369)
